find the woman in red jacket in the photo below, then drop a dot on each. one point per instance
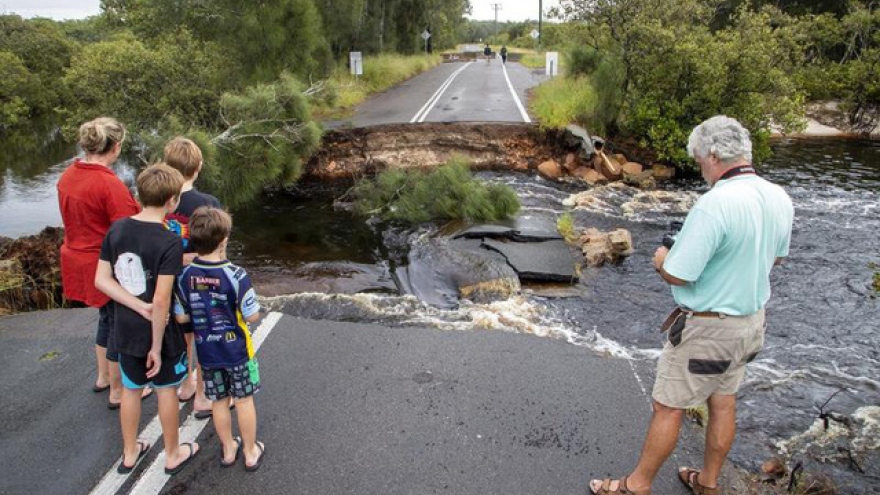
(92, 197)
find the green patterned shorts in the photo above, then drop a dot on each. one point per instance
(238, 381)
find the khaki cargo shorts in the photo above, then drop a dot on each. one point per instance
(707, 357)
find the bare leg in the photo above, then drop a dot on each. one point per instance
(720, 433)
(188, 387)
(169, 412)
(103, 378)
(115, 379)
(129, 418)
(223, 426)
(201, 402)
(659, 444)
(247, 423)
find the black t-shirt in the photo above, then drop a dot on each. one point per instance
(190, 201)
(139, 252)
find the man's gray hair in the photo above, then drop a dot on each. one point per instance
(722, 136)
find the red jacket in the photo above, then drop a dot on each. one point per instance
(91, 197)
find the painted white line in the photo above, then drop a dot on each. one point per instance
(429, 105)
(154, 478)
(522, 110)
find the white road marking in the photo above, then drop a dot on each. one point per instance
(154, 478)
(429, 105)
(519, 105)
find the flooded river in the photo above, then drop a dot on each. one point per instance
(823, 320)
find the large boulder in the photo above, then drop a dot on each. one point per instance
(632, 168)
(571, 162)
(601, 247)
(589, 175)
(662, 172)
(550, 170)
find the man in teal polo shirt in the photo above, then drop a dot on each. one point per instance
(719, 270)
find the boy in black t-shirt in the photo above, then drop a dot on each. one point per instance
(138, 264)
(185, 156)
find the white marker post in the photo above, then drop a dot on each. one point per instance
(552, 64)
(425, 36)
(356, 61)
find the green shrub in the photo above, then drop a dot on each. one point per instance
(582, 60)
(450, 192)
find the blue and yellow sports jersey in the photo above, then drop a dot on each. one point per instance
(218, 297)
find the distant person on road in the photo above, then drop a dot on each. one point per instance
(140, 259)
(488, 53)
(91, 197)
(218, 299)
(185, 156)
(503, 54)
(719, 269)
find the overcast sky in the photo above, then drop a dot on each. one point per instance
(511, 10)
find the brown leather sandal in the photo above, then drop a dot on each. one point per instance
(691, 479)
(622, 489)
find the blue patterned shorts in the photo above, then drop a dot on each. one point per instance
(238, 381)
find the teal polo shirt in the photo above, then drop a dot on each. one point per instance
(728, 245)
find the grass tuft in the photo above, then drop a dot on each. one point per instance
(563, 101)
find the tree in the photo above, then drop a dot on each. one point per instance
(664, 71)
(262, 38)
(44, 51)
(18, 88)
(140, 86)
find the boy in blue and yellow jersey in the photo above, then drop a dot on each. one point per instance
(217, 298)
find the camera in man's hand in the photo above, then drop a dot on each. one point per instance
(669, 237)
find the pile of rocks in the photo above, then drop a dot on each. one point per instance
(602, 168)
(601, 247)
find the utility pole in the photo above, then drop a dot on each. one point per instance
(496, 7)
(540, 20)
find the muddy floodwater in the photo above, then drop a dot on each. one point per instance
(823, 317)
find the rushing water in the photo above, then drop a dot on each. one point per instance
(822, 318)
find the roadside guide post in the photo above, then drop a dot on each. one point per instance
(356, 62)
(425, 36)
(552, 64)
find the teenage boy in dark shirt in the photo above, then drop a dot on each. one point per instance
(185, 156)
(217, 297)
(138, 264)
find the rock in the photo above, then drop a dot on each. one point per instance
(571, 162)
(599, 247)
(620, 157)
(589, 175)
(662, 172)
(550, 170)
(815, 484)
(331, 167)
(621, 242)
(774, 466)
(644, 180)
(521, 165)
(632, 168)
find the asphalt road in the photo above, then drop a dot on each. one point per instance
(455, 92)
(346, 409)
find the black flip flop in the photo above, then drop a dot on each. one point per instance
(192, 453)
(256, 465)
(123, 469)
(223, 462)
(96, 389)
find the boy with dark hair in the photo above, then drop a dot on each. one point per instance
(185, 156)
(218, 299)
(138, 264)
